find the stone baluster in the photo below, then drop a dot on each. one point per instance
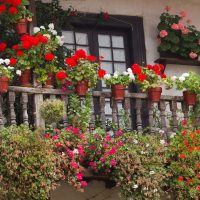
(138, 106)
(114, 112)
(162, 108)
(151, 120)
(185, 109)
(24, 102)
(1, 113)
(197, 114)
(173, 109)
(126, 106)
(12, 108)
(102, 104)
(92, 120)
(65, 99)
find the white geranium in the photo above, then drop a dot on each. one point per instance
(54, 32)
(60, 40)
(151, 172)
(125, 73)
(135, 141)
(11, 68)
(42, 27)
(172, 135)
(131, 77)
(47, 35)
(107, 76)
(135, 186)
(129, 70)
(51, 26)
(36, 29)
(161, 131)
(7, 61)
(147, 145)
(75, 151)
(174, 78)
(155, 190)
(182, 78)
(19, 72)
(162, 141)
(185, 74)
(116, 74)
(1, 61)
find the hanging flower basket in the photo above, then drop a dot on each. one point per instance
(189, 98)
(154, 94)
(21, 26)
(50, 81)
(81, 88)
(4, 84)
(118, 92)
(25, 78)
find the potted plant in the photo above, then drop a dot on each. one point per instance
(16, 13)
(6, 74)
(82, 71)
(150, 78)
(118, 82)
(190, 83)
(177, 37)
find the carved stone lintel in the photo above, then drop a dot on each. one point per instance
(12, 108)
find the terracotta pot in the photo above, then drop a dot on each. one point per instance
(81, 88)
(21, 26)
(25, 78)
(4, 84)
(118, 92)
(50, 81)
(154, 94)
(189, 98)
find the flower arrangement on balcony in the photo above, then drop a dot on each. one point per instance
(150, 78)
(82, 70)
(183, 154)
(190, 83)
(15, 12)
(177, 36)
(118, 82)
(6, 73)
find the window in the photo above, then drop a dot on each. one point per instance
(119, 41)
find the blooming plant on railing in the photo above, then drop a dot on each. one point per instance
(188, 81)
(11, 11)
(124, 78)
(184, 159)
(150, 76)
(177, 36)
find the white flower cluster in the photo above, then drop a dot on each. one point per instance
(181, 78)
(52, 30)
(128, 73)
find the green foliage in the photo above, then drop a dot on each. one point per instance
(124, 120)
(6, 70)
(140, 171)
(79, 113)
(52, 111)
(29, 168)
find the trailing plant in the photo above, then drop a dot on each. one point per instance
(124, 120)
(29, 168)
(52, 111)
(79, 113)
(178, 36)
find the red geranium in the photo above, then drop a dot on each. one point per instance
(92, 58)
(13, 61)
(183, 156)
(180, 178)
(2, 8)
(26, 44)
(136, 69)
(101, 73)
(49, 56)
(43, 39)
(3, 46)
(61, 75)
(19, 53)
(15, 47)
(12, 10)
(163, 76)
(142, 77)
(80, 53)
(71, 62)
(16, 3)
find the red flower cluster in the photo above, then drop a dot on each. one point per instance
(11, 6)
(49, 56)
(101, 73)
(61, 75)
(13, 61)
(3, 46)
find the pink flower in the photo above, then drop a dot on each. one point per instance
(163, 33)
(70, 153)
(76, 130)
(120, 143)
(193, 55)
(183, 14)
(185, 31)
(81, 136)
(167, 8)
(92, 147)
(113, 162)
(181, 26)
(175, 26)
(103, 160)
(108, 139)
(74, 165)
(119, 132)
(92, 164)
(55, 137)
(47, 136)
(81, 150)
(79, 176)
(189, 21)
(83, 184)
(105, 146)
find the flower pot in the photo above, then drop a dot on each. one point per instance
(189, 98)
(81, 88)
(21, 26)
(50, 81)
(154, 94)
(25, 78)
(4, 84)
(118, 92)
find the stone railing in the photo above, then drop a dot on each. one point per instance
(136, 105)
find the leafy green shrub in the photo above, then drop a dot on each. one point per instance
(29, 169)
(140, 171)
(52, 110)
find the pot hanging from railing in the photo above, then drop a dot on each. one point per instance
(21, 26)
(154, 94)
(118, 92)
(4, 83)
(49, 83)
(25, 78)
(81, 88)
(189, 98)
